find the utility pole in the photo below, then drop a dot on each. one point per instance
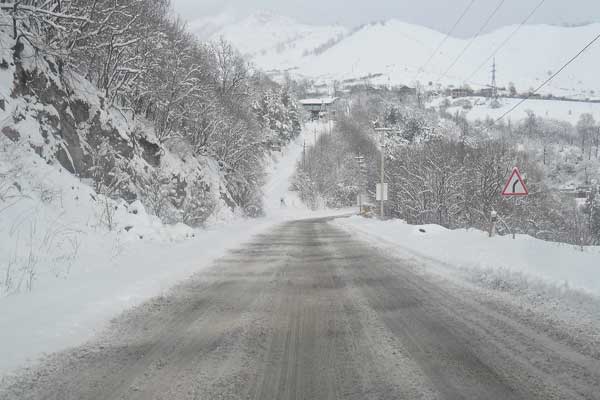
(329, 119)
(382, 173)
(304, 156)
(383, 193)
(597, 141)
(360, 159)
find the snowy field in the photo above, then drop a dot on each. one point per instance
(568, 111)
(522, 262)
(65, 275)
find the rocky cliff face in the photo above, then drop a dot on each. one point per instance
(68, 123)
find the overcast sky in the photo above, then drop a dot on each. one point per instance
(436, 14)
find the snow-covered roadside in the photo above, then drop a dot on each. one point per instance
(501, 258)
(549, 287)
(83, 275)
(64, 274)
(69, 311)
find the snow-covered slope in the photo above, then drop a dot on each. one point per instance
(569, 111)
(63, 275)
(276, 42)
(397, 51)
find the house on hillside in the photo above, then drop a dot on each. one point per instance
(487, 92)
(407, 91)
(461, 92)
(320, 107)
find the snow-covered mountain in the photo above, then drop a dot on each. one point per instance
(277, 42)
(394, 52)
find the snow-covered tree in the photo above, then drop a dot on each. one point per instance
(586, 128)
(592, 210)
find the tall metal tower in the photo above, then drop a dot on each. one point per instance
(494, 84)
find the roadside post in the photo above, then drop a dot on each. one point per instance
(493, 221)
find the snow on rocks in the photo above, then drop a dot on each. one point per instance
(88, 258)
(70, 259)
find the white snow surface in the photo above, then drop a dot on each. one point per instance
(396, 51)
(500, 258)
(273, 40)
(324, 100)
(83, 274)
(569, 111)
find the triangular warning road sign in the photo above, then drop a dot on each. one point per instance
(515, 185)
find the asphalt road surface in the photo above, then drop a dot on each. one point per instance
(308, 312)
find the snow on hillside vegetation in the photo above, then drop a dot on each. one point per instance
(393, 51)
(563, 137)
(276, 42)
(107, 196)
(478, 108)
(64, 274)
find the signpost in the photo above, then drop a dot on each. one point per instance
(361, 200)
(515, 187)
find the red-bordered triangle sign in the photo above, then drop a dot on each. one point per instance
(515, 186)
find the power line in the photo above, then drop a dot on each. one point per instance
(462, 53)
(458, 21)
(514, 32)
(549, 79)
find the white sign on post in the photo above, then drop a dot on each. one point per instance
(385, 192)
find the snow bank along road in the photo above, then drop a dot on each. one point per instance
(307, 312)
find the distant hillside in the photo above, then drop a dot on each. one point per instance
(277, 42)
(394, 51)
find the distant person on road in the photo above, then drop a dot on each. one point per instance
(282, 202)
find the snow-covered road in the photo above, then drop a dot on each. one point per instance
(111, 274)
(306, 311)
